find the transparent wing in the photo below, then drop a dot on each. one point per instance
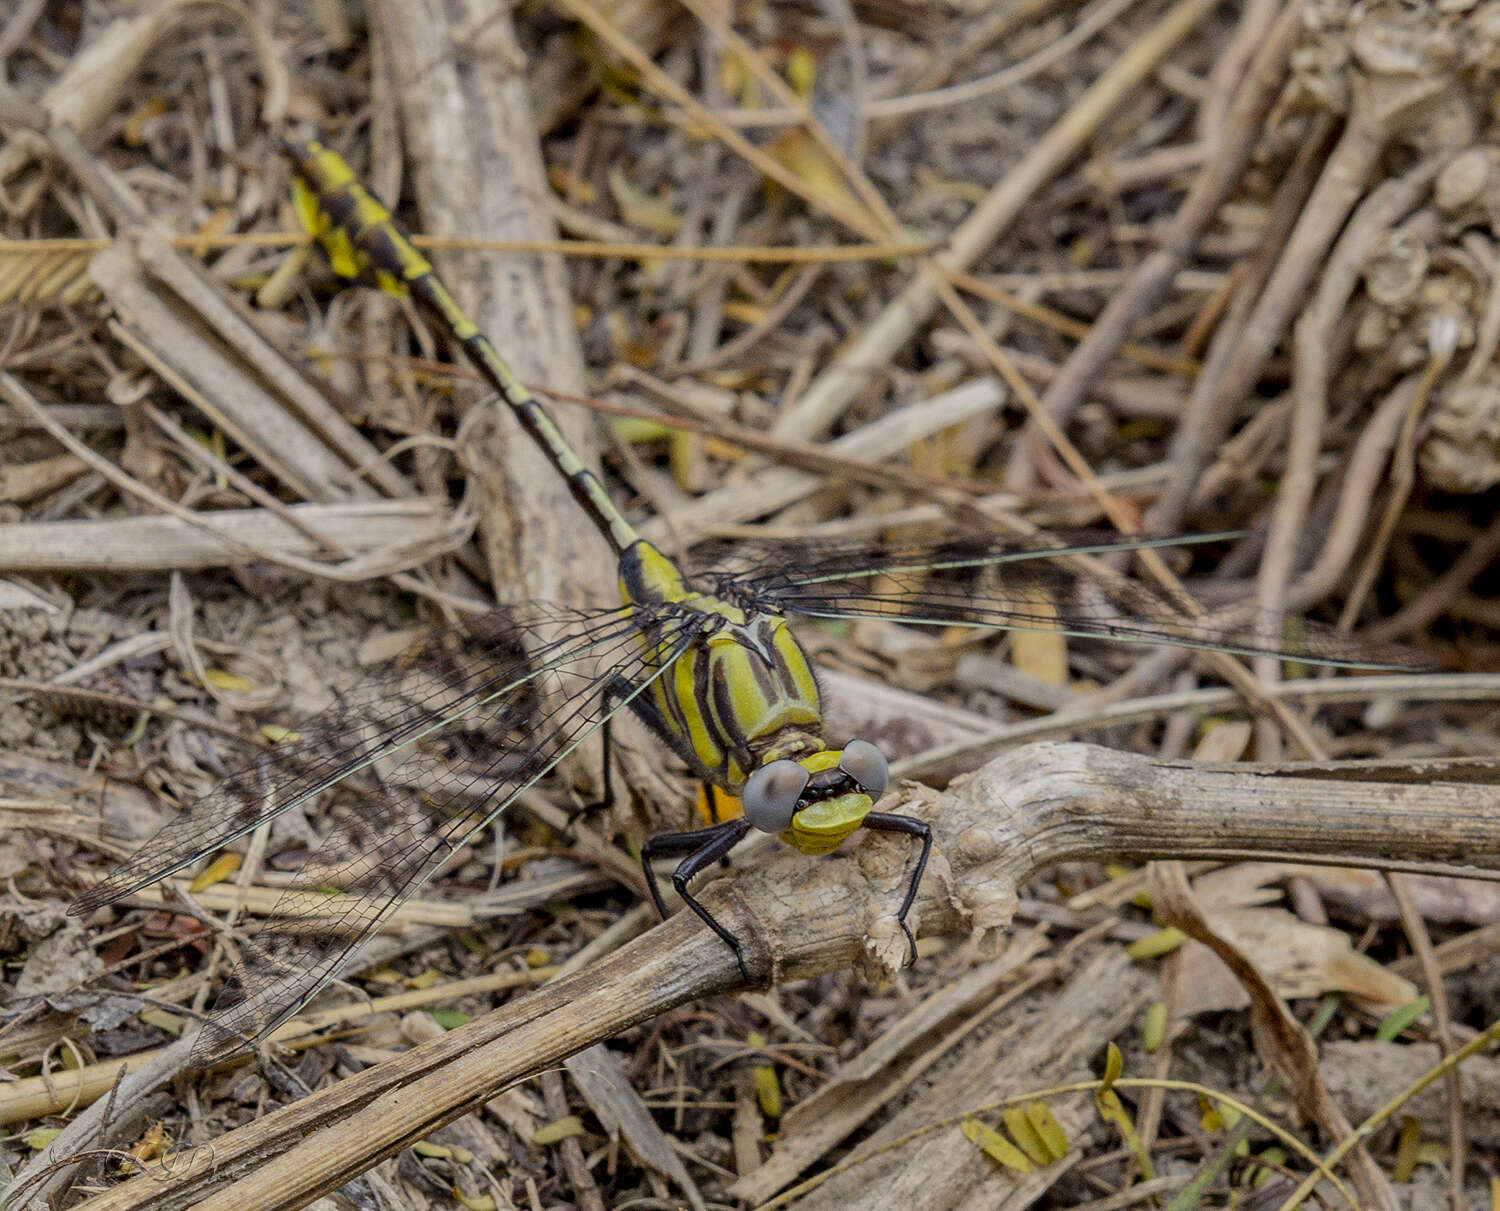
(428, 760)
(380, 716)
(425, 811)
(1030, 585)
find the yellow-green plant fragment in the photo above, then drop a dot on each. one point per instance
(1024, 1132)
(1048, 1129)
(995, 1146)
(1156, 1026)
(1395, 1023)
(557, 1131)
(1162, 942)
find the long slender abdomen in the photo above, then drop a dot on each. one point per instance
(364, 240)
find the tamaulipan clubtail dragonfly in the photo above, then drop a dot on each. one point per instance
(708, 662)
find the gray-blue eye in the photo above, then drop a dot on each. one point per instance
(771, 793)
(867, 765)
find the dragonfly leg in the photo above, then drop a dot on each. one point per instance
(618, 690)
(711, 798)
(702, 848)
(886, 822)
(607, 791)
(606, 798)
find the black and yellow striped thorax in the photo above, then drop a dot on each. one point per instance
(743, 694)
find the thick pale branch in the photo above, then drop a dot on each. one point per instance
(799, 916)
(1074, 801)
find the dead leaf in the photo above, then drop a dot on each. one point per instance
(26, 481)
(795, 150)
(1439, 899)
(1297, 959)
(641, 209)
(1280, 1039)
(1224, 740)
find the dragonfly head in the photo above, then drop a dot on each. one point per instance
(816, 801)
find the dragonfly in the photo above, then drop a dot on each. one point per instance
(433, 751)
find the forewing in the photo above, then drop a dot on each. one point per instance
(381, 715)
(426, 807)
(1033, 585)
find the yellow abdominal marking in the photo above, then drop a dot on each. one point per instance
(658, 574)
(337, 246)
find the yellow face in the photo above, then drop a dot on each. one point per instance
(820, 825)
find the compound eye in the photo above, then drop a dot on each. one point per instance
(866, 764)
(770, 796)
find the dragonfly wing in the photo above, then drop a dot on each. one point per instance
(1034, 585)
(808, 563)
(378, 716)
(429, 807)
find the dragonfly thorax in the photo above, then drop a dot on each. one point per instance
(741, 694)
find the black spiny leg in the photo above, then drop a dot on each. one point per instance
(702, 848)
(618, 690)
(606, 746)
(886, 822)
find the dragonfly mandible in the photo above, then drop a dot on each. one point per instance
(707, 661)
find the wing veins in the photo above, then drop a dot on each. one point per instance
(999, 554)
(1315, 645)
(289, 971)
(217, 819)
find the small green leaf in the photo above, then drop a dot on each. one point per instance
(1154, 946)
(1048, 1130)
(1024, 1132)
(634, 431)
(137, 729)
(1267, 1170)
(215, 872)
(1395, 1023)
(995, 1146)
(1114, 1069)
(222, 679)
(767, 1090)
(556, 1132)
(1214, 1115)
(767, 1085)
(1155, 1030)
(1112, 1110)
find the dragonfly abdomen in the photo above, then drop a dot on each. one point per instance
(365, 242)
